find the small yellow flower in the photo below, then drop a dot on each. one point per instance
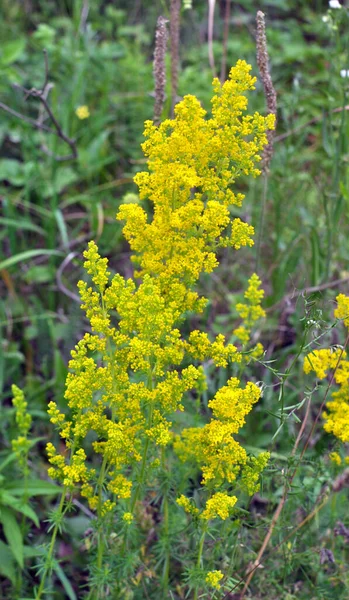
(82, 112)
(127, 517)
(335, 458)
(342, 310)
(213, 578)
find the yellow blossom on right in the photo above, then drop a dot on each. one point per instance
(321, 361)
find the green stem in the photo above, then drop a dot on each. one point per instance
(48, 561)
(146, 447)
(199, 559)
(166, 569)
(261, 222)
(100, 543)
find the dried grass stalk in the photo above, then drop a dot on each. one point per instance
(269, 90)
(159, 67)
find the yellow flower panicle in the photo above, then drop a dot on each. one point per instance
(250, 311)
(321, 361)
(213, 447)
(190, 153)
(129, 376)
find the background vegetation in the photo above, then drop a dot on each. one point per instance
(99, 54)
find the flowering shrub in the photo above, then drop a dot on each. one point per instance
(132, 377)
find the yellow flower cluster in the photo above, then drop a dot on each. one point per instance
(251, 311)
(219, 505)
(193, 161)
(21, 444)
(130, 375)
(337, 459)
(321, 361)
(342, 310)
(213, 578)
(188, 505)
(127, 517)
(213, 447)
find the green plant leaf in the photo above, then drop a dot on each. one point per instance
(33, 487)
(23, 256)
(12, 171)
(25, 509)
(9, 459)
(7, 567)
(13, 534)
(11, 51)
(21, 224)
(65, 582)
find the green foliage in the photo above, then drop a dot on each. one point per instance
(50, 209)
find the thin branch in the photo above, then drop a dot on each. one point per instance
(46, 70)
(299, 128)
(60, 283)
(308, 290)
(18, 115)
(56, 130)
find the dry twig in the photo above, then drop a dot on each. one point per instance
(41, 95)
(269, 90)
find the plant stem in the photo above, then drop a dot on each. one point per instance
(199, 559)
(48, 560)
(100, 549)
(165, 520)
(146, 447)
(261, 222)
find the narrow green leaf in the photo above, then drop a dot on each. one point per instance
(7, 567)
(20, 224)
(28, 254)
(34, 487)
(62, 227)
(26, 510)
(65, 582)
(13, 534)
(315, 258)
(9, 459)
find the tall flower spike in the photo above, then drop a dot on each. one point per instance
(269, 90)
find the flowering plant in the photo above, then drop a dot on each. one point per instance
(136, 373)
